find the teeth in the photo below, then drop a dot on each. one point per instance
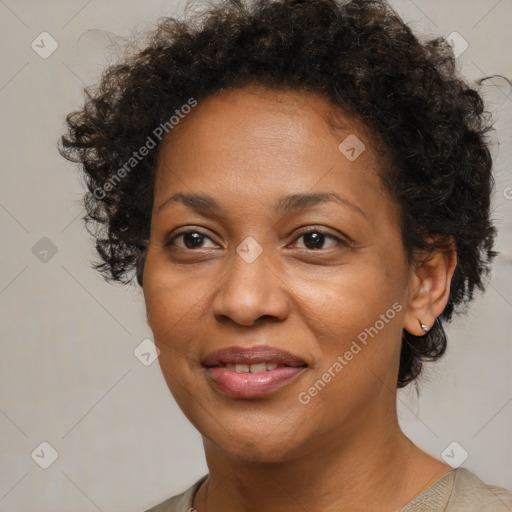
(253, 368)
(258, 368)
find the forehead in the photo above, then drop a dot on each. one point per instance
(254, 138)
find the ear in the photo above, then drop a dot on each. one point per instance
(429, 288)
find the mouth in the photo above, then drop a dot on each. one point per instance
(252, 356)
(243, 372)
(265, 366)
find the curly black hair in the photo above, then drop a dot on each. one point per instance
(357, 54)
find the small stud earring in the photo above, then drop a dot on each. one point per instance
(424, 328)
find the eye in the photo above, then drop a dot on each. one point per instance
(314, 239)
(192, 239)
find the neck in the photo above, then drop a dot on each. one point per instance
(373, 468)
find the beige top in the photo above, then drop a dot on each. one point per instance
(457, 491)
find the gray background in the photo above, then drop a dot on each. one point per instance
(68, 373)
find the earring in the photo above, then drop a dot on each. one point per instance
(424, 328)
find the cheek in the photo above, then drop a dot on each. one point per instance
(173, 304)
(349, 299)
(356, 318)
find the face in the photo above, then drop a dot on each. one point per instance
(323, 275)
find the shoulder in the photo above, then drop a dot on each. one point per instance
(470, 494)
(181, 502)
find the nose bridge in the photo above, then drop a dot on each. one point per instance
(250, 289)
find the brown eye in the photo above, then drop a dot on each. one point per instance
(315, 239)
(191, 240)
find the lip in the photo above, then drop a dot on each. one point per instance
(251, 355)
(252, 385)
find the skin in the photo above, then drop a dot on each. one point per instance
(247, 148)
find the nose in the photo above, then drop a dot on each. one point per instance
(250, 292)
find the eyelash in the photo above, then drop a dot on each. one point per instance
(169, 243)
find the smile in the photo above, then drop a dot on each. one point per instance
(251, 381)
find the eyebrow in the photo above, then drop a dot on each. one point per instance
(289, 203)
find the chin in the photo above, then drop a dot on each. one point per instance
(251, 453)
(250, 446)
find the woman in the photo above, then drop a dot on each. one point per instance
(303, 191)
